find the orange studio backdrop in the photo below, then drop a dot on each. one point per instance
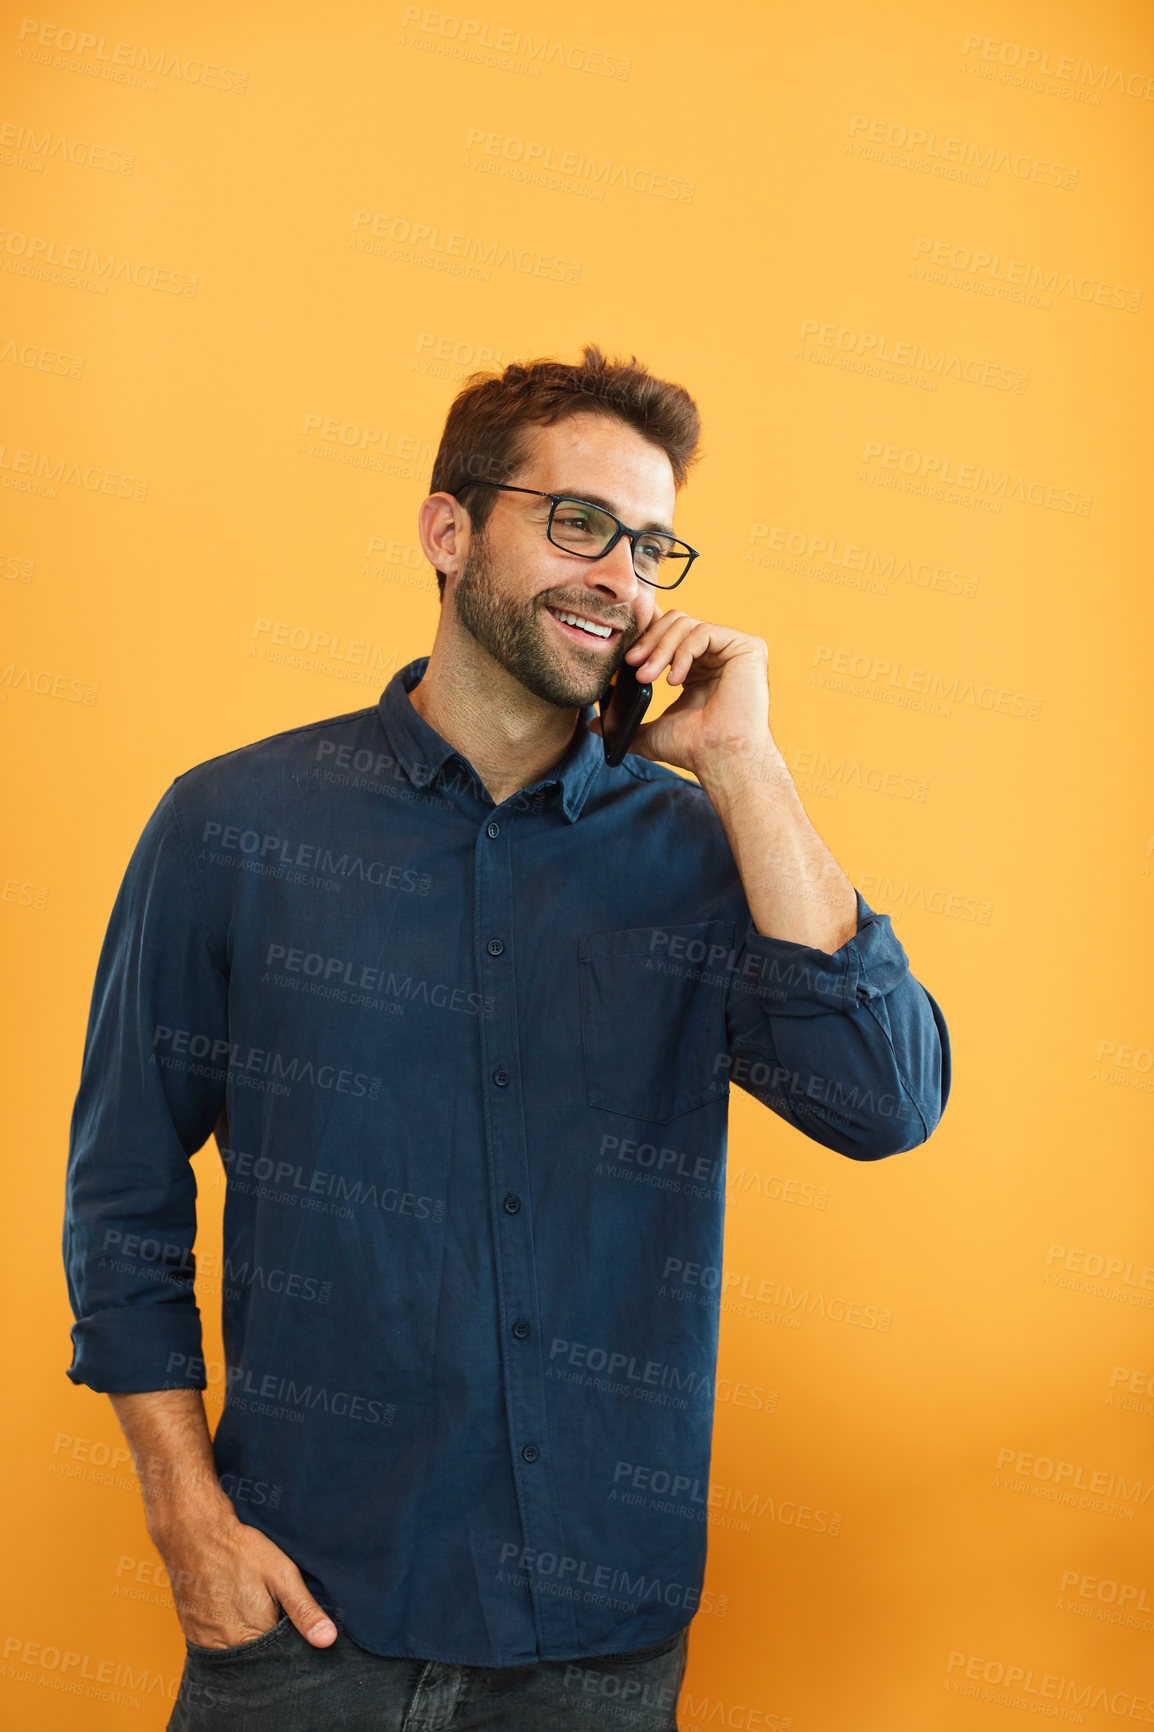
(902, 256)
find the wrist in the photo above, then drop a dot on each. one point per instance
(735, 765)
(179, 1501)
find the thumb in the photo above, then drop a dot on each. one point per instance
(311, 1620)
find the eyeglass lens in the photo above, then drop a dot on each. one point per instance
(658, 558)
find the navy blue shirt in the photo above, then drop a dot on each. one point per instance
(467, 1067)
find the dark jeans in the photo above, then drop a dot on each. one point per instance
(280, 1683)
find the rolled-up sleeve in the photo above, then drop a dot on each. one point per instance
(145, 1104)
(848, 1047)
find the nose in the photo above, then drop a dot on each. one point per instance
(614, 574)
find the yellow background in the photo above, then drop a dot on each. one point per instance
(1008, 1254)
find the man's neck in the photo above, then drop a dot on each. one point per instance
(509, 736)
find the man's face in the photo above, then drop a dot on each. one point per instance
(515, 581)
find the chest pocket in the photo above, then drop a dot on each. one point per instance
(653, 1018)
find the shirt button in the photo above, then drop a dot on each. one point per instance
(512, 1203)
(495, 947)
(530, 1452)
(521, 1329)
(493, 830)
(501, 1078)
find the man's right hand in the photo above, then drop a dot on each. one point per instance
(230, 1582)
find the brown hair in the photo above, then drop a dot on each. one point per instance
(485, 436)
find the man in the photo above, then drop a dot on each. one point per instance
(462, 1005)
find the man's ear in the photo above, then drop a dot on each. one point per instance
(444, 527)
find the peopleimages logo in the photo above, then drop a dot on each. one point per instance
(1108, 1592)
(35, 471)
(1062, 1478)
(76, 1674)
(536, 159)
(39, 359)
(460, 249)
(869, 671)
(852, 563)
(976, 478)
(230, 845)
(122, 59)
(266, 1062)
(470, 35)
(365, 979)
(29, 255)
(822, 773)
(1025, 1682)
(559, 1573)
(989, 159)
(52, 146)
(1045, 62)
(922, 357)
(45, 684)
(641, 1480)
(241, 1383)
(1048, 280)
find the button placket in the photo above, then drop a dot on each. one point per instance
(520, 1344)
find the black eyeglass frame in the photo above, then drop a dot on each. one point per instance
(634, 535)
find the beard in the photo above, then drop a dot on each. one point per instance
(513, 633)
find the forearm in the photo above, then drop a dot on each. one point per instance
(794, 887)
(167, 1433)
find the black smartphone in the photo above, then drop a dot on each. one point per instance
(622, 709)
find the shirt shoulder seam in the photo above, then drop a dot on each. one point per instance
(283, 734)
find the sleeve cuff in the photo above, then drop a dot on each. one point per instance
(797, 980)
(137, 1348)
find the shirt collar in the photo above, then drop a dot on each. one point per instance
(422, 752)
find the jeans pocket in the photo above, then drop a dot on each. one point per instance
(256, 1684)
(239, 1650)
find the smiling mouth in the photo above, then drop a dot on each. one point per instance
(584, 628)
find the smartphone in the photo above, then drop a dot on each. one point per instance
(622, 709)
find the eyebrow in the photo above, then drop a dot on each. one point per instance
(607, 505)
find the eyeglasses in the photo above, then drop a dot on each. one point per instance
(591, 532)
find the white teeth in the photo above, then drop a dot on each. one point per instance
(584, 624)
